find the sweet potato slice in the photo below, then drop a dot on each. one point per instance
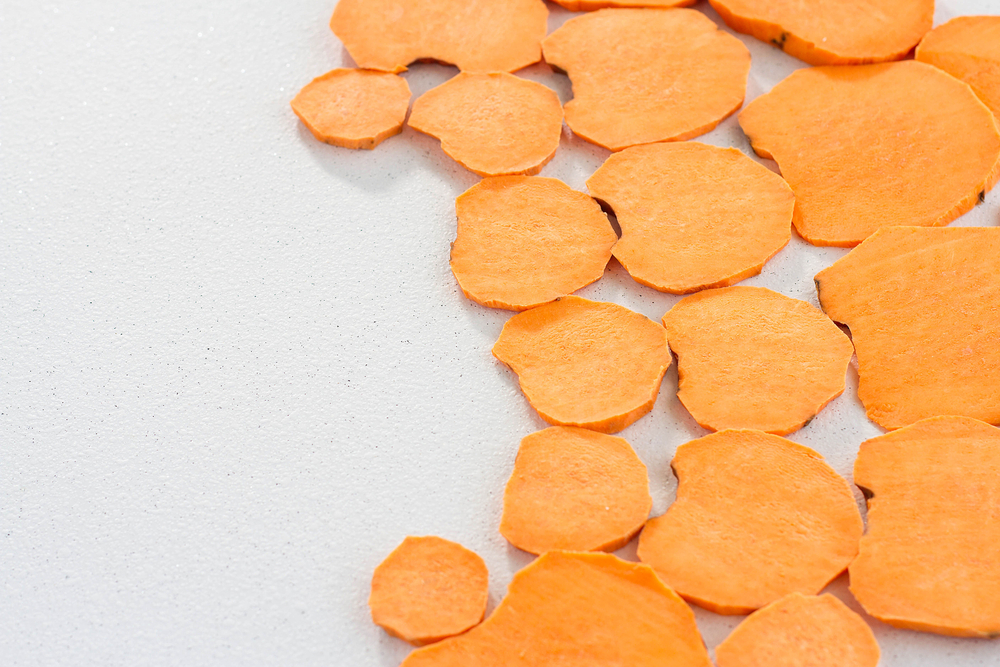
(591, 5)
(646, 75)
(578, 609)
(923, 306)
(524, 241)
(797, 630)
(693, 215)
(968, 48)
(492, 124)
(748, 357)
(474, 35)
(756, 517)
(586, 363)
(574, 489)
(930, 560)
(427, 589)
(875, 145)
(353, 108)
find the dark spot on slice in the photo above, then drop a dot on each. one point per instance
(982, 196)
(867, 493)
(780, 41)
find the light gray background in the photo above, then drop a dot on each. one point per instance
(235, 369)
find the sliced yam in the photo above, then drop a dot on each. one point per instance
(586, 363)
(748, 357)
(692, 215)
(757, 517)
(427, 589)
(646, 75)
(492, 124)
(591, 5)
(353, 108)
(872, 146)
(923, 307)
(930, 559)
(968, 48)
(578, 609)
(525, 240)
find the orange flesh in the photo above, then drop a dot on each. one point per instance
(693, 216)
(578, 610)
(968, 48)
(875, 145)
(930, 560)
(524, 241)
(646, 75)
(756, 517)
(574, 489)
(748, 357)
(923, 306)
(591, 5)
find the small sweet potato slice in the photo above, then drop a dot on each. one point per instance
(871, 146)
(646, 75)
(427, 589)
(968, 48)
(578, 609)
(930, 560)
(525, 240)
(492, 124)
(692, 215)
(586, 363)
(756, 517)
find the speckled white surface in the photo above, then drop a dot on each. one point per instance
(235, 369)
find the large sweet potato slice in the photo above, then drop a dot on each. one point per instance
(968, 48)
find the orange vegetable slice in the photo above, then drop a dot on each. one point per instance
(693, 215)
(585, 363)
(756, 517)
(748, 357)
(930, 560)
(968, 48)
(863, 147)
(524, 241)
(646, 75)
(578, 609)
(353, 108)
(492, 124)
(574, 489)
(591, 5)
(474, 35)
(923, 306)
(820, 631)
(427, 589)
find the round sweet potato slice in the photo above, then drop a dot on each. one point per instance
(930, 559)
(968, 48)
(756, 517)
(525, 240)
(692, 215)
(646, 75)
(870, 146)
(586, 363)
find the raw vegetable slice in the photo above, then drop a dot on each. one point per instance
(693, 215)
(968, 48)
(756, 517)
(748, 357)
(645, 75)
(353, 108)
(524, 241)
(574, 489)
(492, 124)
(923, 306)
(591, 5)
(930, 559)
(427, 589)
(586, 363)
(578, 609)
(875, 145)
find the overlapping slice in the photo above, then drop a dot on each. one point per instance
(968, 48)
(524, 241)
(930, 559)
(693, 215)
(756, 517)
(578, 609)
(871, 146)
(646, 75)
(591, 5)
(923, 306)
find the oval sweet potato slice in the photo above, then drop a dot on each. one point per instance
(692, 215)
(756, 517)
(930, 559)
(968, 48)
(870, 146)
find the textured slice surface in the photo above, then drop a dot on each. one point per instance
(968, 48)
(591, 5)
